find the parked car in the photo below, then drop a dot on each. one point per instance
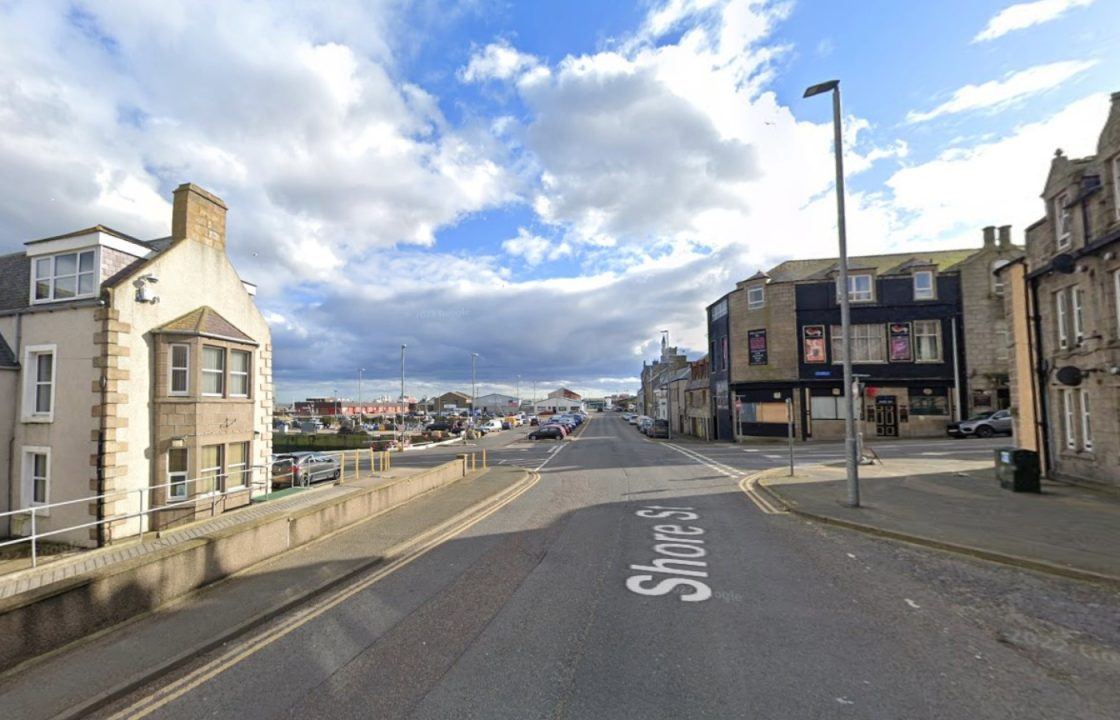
(548, 432)
(644, 423)
(304, 468)
(658, 429)
(490, 425)
(983, 425)
(633, 419)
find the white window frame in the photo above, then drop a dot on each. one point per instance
(929, 293)
(31, 383)
(233, 470)
(1003, 340)
(1063, 220)
(1077, 313)
(218, 470)
(248, 374)
(1067, 414)
(53, 275)
(936, 335)
(997, 279)
(181, 477)
(172, 367)
(1061, 307)
(1086, 408)
(853, 294)
(759, 302)
(861, 337)
(220, 373)
(27, 479)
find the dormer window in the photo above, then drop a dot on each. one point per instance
(861, 288)
(756, 297)
(1063, 221)
(923, 285)
(65, 276)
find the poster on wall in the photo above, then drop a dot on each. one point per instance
(756, 341)
(813, 336)
(900, 342)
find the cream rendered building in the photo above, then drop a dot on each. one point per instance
(126, 365)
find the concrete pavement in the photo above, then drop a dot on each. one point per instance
(635, 581)
(956, 503)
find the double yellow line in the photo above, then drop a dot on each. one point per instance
(403, 554)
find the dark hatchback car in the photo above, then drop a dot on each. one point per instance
(659, 429)
(547, 432)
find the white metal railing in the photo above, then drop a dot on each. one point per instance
(213, 495)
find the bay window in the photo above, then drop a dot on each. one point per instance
(180, 363)
(213, 370)
(923, 285)
(177, 473)
(239, 373)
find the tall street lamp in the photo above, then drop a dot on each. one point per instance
(850, 444)
(668, 391)
(403, 348)
(360, 409)
(474, 384)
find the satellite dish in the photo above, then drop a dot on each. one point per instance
(1069, 375)
(1063, 263)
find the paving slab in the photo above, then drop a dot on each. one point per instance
(960, 503)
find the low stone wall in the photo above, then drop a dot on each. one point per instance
(53, 615)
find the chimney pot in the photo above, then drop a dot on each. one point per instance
(1005, 236)
(990, 236)
(198, 215)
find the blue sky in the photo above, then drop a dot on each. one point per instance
(546, 183)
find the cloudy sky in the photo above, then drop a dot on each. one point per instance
(545, 183)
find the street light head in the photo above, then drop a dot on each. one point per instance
(821, 88)
(403, 346)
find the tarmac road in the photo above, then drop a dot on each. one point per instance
(634, 581)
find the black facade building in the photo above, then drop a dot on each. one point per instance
(907, 351)
(719, 351)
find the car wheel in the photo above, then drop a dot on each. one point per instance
(984, 432)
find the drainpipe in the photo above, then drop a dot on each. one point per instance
(12, 440)
(1038, 378)
(956, 370)
(106, 304)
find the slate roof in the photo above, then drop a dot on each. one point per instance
(7, 357)
(205, 320)
(794, 270)
(15, 281)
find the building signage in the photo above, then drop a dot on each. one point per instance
(813, 341)
(900, 342)
(756, 340)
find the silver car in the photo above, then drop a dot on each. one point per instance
(984, 425)
(304, 468)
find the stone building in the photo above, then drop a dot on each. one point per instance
(1065, 311)
(912, 316)
(137, 375)
(697, 397)
(648, 397)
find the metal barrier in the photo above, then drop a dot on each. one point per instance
(141, 495)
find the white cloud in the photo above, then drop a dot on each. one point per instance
(534, 248)
(1014, 87)
(947, 198)
(319, 149)
(496, 61)
(1024, 15)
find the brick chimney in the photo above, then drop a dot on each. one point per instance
(198, 215)
(1004, 236)
(989, 237)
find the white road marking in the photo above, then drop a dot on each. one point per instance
(746, 482)
(678, 549)
(912, 604)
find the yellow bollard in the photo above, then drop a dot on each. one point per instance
(357, 464)
(484, 459)
(390, 459)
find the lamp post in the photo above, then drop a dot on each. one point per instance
(851, 450)
(403, 348)
(360, 409)
(474, 384)
(518, 393)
